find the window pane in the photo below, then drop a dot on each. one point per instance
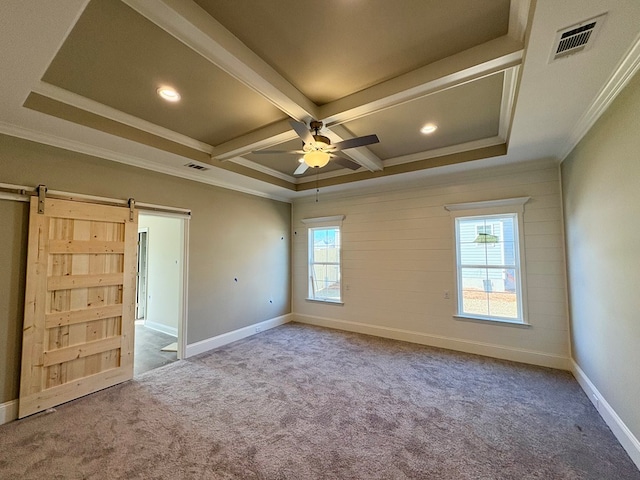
(489, 291)
(327, 281)
(503, 300)
(474, 297)
(333, 254)
(487, 241)
(326, 245)
(320, 253)
(503, 304)
(473, 253)
(325, 236)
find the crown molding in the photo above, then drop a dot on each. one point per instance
(620, 78)
(88, 105)
(79, 147)
(261, 168)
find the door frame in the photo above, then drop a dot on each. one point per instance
(141, 230)
(183, 303)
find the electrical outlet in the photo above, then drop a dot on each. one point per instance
(446, 295)
(258, 329)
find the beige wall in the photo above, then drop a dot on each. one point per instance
(232, 235)
(164, 269)
(398, 260)
(13, 264)
(601, 194)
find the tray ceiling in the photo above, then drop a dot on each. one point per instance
(244, 68)
(82, 75)
(334, 48)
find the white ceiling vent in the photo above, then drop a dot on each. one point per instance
(576, 38)
(195, 166)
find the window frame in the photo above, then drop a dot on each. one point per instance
(322, 223)
(485, 210)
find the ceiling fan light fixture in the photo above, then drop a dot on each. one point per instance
(429, 128)
(169, 94)
(316, 158)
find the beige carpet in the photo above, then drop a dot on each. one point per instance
(300, 402)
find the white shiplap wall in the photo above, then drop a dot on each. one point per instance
(398, 261)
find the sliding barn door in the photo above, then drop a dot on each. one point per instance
(79, 302)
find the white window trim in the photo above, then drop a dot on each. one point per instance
(487, 208)
(333, 221)
(325, 222)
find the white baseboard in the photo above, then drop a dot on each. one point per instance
(220, 340)
(8, 411)
(626, 438)
(160, 327)
(478, 348)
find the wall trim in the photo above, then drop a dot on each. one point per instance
(235, 335)
(626, 438)
(159, 327)
(478, 348)
(503, 202)
(8, 411)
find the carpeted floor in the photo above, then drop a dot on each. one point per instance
(300, 402)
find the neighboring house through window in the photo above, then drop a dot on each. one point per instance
(489, 253)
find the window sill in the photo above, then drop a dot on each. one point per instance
(499, 321)
(320, 300)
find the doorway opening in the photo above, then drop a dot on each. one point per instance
(160, 290)
(141, 277)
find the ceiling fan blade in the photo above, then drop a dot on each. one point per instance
(355, 142)
(344, 162)
(271, 152)
(301, 169)
(302, 130)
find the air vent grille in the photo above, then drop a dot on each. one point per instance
(195, 166)
(576, 38)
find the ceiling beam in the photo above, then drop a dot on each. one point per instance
(361, 155)
(477, 62)
(193, 26)
(519, 18)
(266, 137)
(491, 57)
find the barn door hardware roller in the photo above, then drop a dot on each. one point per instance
(42, 194)
(132, 206)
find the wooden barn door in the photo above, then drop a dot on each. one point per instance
(79, 302)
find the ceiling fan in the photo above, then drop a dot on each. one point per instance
(317, 149)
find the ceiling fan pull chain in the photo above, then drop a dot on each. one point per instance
(317, 189)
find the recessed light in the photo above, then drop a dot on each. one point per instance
(169, 94)
(428, 128)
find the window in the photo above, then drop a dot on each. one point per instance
(324, 264)
(325, 259)
(489, 260)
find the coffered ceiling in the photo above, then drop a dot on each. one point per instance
(245, 68)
